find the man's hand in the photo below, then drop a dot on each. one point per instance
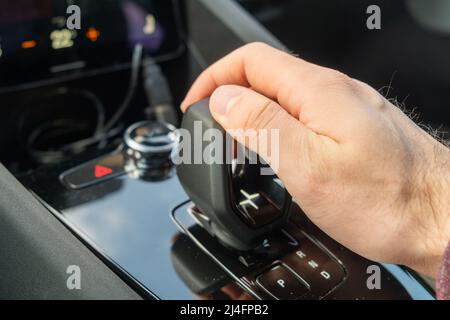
(358, 166)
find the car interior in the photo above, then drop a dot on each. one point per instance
(90, 118)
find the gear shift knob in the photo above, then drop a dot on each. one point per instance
(238, 205)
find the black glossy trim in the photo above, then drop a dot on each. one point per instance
(138, 287)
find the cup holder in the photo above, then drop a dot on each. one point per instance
(50, 125)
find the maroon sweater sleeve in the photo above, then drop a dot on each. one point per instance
(443, 279)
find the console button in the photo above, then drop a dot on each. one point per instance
(327, 277)
(282, 284)
(316, 267)
(95, 171)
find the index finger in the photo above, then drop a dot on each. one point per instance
(271, 72)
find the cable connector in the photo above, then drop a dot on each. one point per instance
(158, 94)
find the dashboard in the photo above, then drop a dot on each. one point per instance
(38, 42)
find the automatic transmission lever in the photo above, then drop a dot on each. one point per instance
(237, 204)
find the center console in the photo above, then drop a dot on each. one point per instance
(169, 231)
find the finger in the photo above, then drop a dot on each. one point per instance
(271, 72)
(281, 140)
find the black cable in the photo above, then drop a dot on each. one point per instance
(135, 67)
(103, 131)
(30, 140)
(157, 90)
(108, 130)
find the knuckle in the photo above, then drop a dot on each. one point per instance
(254, 47)
(373, 97)
(376, 100)
(333, 79)
(262, 117)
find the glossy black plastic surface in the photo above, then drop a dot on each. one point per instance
(348, 272)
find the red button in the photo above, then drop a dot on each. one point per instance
(101, 171)
(94, 171)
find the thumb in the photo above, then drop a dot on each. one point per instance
(263, 126)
